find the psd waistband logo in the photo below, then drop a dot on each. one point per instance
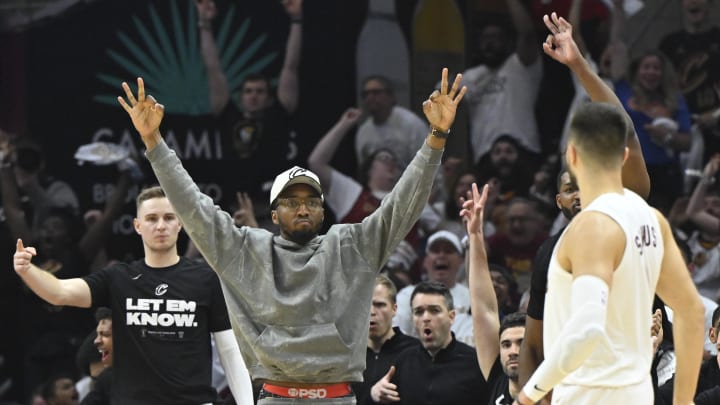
(309, 393)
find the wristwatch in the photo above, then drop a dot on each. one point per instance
(439, 133)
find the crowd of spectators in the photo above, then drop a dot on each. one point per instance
(671, 93)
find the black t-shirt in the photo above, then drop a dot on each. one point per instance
(378, 364)
(162, 320)
(538, 278)
(258, 149)
(499, 385)
(453, 377)
(696, 58)
(101, 389)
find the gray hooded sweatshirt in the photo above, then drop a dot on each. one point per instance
(300, 313)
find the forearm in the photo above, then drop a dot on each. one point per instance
(482, 293)
(527, 47)
(151, 141)
(618, 20)
(288, 86)
(217, 82)
(435, 142)
(212, 229)
(14, 215)
(678, 141)
(484, 305)
(596, 87)
(620, 57)
(582, 332)
(383, 230)
(322, 154)
(235, 369)
(98, 233)
(575, 19)
(697, 199)
(688, 332)
(531, 350)
(55, 291)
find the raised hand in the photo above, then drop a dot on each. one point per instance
(473, 209)
(656, 330)
(440, 107)
(245, 214)
(560, 44)
(351, 116)
(206, 10)
(293, 8)
(22, 257)
(384, 391)
(145, 112)
(712, 167)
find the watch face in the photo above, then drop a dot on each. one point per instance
(439, 133)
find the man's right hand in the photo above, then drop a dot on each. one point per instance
(441, 106)
(384, 391)
(560, 44)
(23, 257)
(206, 10)
(146, 113)
(293, 8)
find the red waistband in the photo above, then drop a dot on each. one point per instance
(328, 391)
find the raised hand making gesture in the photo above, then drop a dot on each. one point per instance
(473, 208)
(146, 113)
(440, 107)
(560, 44)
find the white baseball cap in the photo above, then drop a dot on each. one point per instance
(296, 175)
(444, 235)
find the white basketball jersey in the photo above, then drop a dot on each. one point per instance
(625, 357)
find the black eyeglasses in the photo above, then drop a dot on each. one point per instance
(374, 92)
(294, 203)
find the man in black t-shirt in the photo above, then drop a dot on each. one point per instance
(441, 370)
(385, 343)
(164, 308)
(497, 345)
(256, 127)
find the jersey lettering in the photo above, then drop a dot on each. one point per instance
(158, 312)
(645, 237)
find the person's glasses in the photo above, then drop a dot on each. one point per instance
(294, 203)
(374, 92)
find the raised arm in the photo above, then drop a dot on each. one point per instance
(575, 19)
(382, 231)
(98, 233)
(560, 46)
(217, 81)
(619, 53)
(676, 289)
(526, 46)
(14, 214)
(71, 292)
(695, 209)
(483, 302)
(322, 154)
(288, 87)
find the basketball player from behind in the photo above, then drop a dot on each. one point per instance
(604, 271)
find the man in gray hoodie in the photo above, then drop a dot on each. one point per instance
(298, 301)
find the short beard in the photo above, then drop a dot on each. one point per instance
(302, 237)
